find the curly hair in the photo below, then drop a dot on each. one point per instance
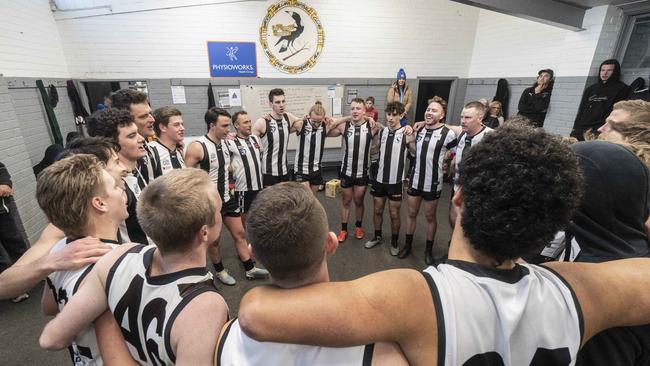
(636, 130)
(520, 186)
(107, 123)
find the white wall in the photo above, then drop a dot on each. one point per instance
(362, 39)
(515, 47)
(29, 40)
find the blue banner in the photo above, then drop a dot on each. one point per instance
(232, 59)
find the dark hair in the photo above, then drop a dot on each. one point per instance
(162, 115)
(394, 108)
(100, 147)
(372, 99)
(212, 115)
(520, 186)
(616, 75)
(123, 98)
(107, 123)
(287, 249)
(235, 116)
(358, 100)
(274, 93)
(71, 136)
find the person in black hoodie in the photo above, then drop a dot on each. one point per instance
(11, 239)
(534, 101)
(599, 98)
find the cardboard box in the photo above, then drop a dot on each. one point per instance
(333, 188)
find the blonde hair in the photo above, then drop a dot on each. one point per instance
(317, 109)
(64, 191)
(635, 130)
(496, 104)
(174, 207)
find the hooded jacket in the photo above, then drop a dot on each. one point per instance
(599, 98)
(610, 223)
(534, 106)
(5, 179)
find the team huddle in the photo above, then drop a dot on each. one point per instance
(158, 207)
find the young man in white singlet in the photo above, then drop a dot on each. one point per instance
(81, 198)
(170, 132)
(295, 258)
(162, 296)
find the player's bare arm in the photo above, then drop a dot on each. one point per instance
(87, 305)
(610, 294)
(194, 154)
(38, 262)
(341, 314)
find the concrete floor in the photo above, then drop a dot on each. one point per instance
(21, 324)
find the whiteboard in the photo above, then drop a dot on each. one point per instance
(300, 99)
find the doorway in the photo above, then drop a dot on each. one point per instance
(97, 91)
(427, 89)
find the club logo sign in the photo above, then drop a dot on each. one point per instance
(292, 36)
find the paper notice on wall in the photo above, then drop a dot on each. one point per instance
(331, 91)
(178, 94)
(235, 97)
(224, 99)
(336, 107)
(352, 93)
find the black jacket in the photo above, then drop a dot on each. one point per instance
(533, 106)
(5, 178)
(599, 99)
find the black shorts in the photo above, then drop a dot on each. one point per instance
(348, 182)
(392, 191)
(314, 179)
(230, 208)
(245, 199)
(427, 196)
(270, 180)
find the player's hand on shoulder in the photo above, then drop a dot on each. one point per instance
(417, 126)
(408, 130)
(78, 254)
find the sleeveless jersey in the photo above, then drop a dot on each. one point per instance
(237, 349)
(464, 143)
(431, 147)
(165, 160)
(130, 230)
(216, 161)
(274, 146)
(145, 307)
(64, 284)
(247, 163)
(392, 150)
(356, 147)
(526, 315)
(309, 153)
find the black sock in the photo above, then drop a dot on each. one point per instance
(358, 223)
(409, 239)
(248, 265)
(377, 233)
(393, 238)
(218, 267)
(344, 226)
(429, 244)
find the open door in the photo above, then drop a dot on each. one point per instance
(427, 89)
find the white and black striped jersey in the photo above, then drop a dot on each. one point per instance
(274, 143)
(246, 163)
(146, 165)
(216, 161)
(464, 143)
(309, 153)
(356, 148)
(165, 160)
(145, 307)
(130, 230)
(489, 316)
(237, 349)
(431, 147)
(392, 151)
(64, 284)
